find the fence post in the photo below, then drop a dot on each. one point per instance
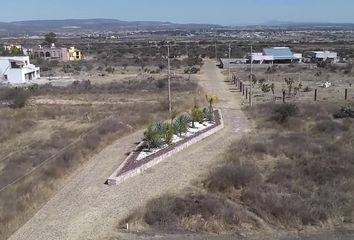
(284, 93)
(346, 94)
(246, 93)
(240, 85)
(243, 90)
(315, 98)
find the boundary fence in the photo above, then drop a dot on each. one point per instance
(343, 93)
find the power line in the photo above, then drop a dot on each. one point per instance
(61, 151)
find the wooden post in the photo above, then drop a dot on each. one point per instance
(246, 93)
(243, 90)
(250, 96)
(284, 93)
(315, 95)
(240, 85)
(346, 94)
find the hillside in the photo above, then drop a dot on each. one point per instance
(34, 26)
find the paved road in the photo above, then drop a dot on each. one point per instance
(87, 209)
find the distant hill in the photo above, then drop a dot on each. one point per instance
(309, 25)
(36, 26)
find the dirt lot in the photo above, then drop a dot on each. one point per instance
(305, 79)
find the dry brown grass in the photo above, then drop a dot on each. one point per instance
(309, 76)
(291, 174)
(61, 137)
(195, 212)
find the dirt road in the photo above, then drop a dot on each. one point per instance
(87, 209)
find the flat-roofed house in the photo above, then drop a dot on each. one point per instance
(323, 56)
(18, 70)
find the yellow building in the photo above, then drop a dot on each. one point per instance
(74, 54)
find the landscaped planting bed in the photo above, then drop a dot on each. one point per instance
(146, 156)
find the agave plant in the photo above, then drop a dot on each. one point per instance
(160, 128)
(180, 125)
(209, 115)
(152, 137)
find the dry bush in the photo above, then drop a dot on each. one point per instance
(191, 212)
(232, 175)
(150, 85)
(312, 181)
(14, 97)
(284, 111)
(13, 122)
(329, 127)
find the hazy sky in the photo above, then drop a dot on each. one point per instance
(227, 12)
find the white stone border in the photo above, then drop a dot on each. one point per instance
(114, 179)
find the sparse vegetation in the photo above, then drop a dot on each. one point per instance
(291, 175)
(284, 111)
(14, 97)
(70, 123)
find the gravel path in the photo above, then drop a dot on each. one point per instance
(87, 209)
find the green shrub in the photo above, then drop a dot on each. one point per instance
(345, 112)
(160, 84)
(266, 87)
(168, 136)
(307, 89)
(197, 115)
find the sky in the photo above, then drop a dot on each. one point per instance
(224, 12)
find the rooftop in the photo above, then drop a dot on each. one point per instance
(279, 52)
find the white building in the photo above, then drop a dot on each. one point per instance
(17, 70)
(323, 56)
(225, 62)
(276, 55)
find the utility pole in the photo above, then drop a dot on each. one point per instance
(229, 76)
(216, 51)
(169, 80)
(251, 77)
